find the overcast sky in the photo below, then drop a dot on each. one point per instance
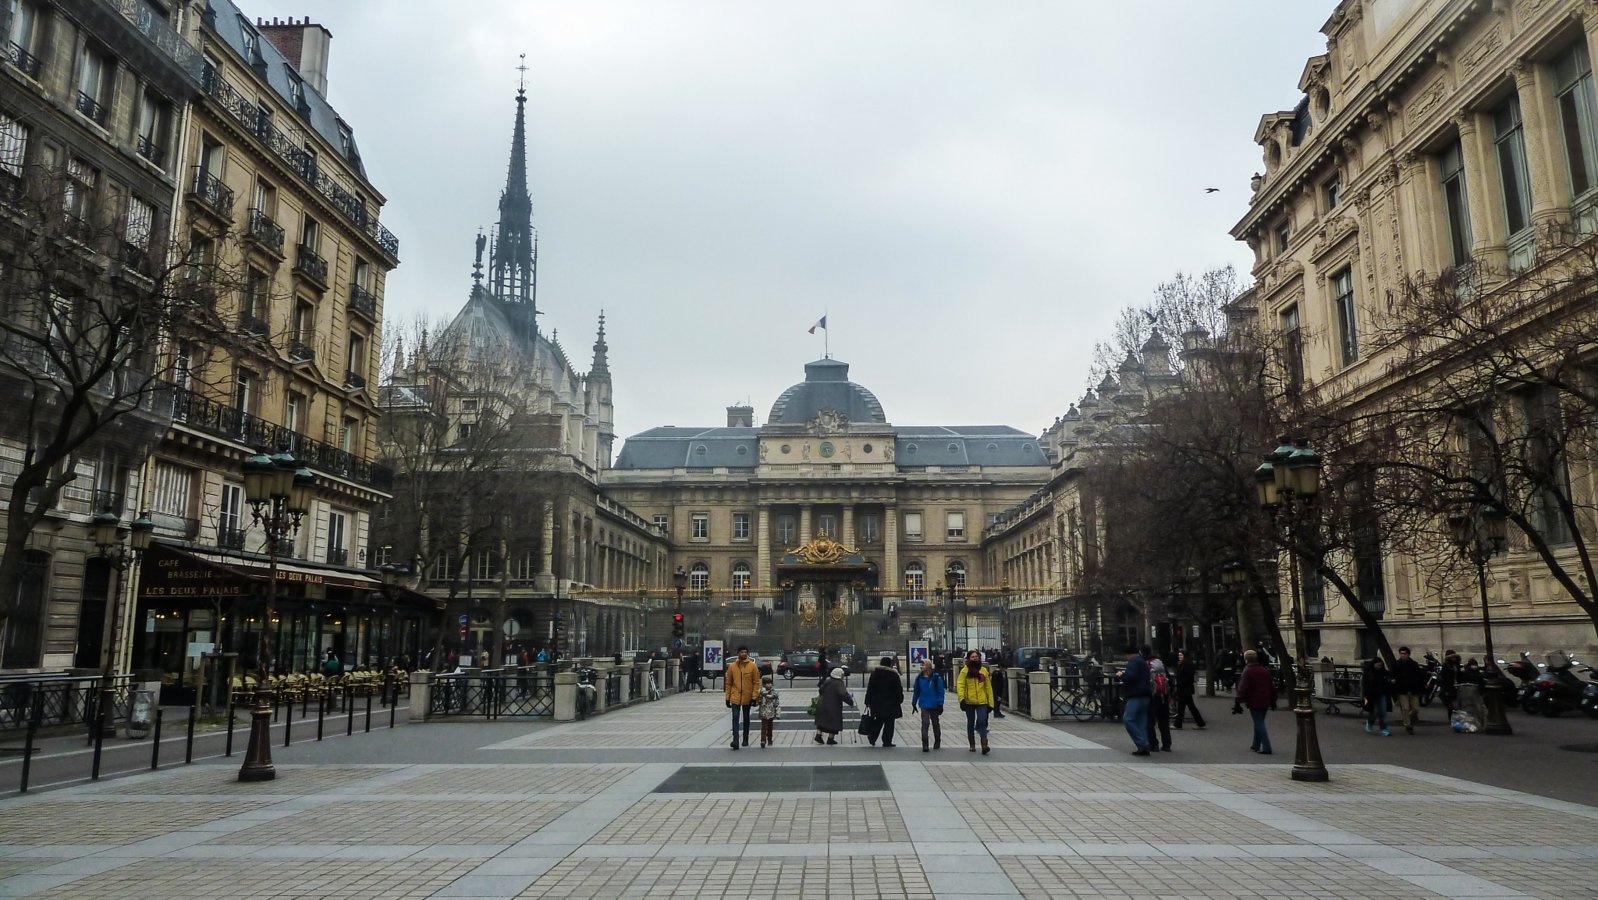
(969, 191)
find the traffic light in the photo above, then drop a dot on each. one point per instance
(677, 629)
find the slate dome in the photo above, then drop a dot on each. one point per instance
(826, 386)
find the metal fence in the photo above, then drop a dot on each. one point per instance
(612, 688)
(1084, 693)
(504, 693)
(56, 700)
(1022, 700)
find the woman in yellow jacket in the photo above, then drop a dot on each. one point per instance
(974, 687)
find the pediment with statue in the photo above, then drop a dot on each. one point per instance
(828, 421)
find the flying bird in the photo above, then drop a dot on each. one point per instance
(1211, 190)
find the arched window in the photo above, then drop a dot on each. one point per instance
(698, 577)
(915, 581)
(958, 568)
(740, 581)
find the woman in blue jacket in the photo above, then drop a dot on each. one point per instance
(926, 696)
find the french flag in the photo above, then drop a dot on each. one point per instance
(821, 324)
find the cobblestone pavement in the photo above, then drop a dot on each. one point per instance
(584, 810)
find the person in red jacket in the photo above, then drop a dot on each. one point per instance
(1255, 691)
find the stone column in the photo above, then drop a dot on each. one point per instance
(421, 694)
(602, 682)
(804, 524)
(847, 536)
(626, 671)
(673, 674)
(1417, 212)
(1544, 159)
(1486, 197)
(892, 578)
(546, 558)
(762, 574)
(661, 676)
(565, 696)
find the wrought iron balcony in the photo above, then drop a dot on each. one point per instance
(136, 259)
(230, 538)
(192, 410)
(167, 525)
(293, 154)
(300, 349)
(354, 380)
(249, 324)
(210, 190)
(309, 264)
(26, 62)
(160, 36)
(364, 302)
(265, 232)
(338, 556)
(108, 501)
(149, 149)
(91, 109)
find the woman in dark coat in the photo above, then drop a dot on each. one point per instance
(884, 699)
(829, 712)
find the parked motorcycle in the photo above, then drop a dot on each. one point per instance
(1526, 672)
(1559, 689)
(1589, 694)
(1434, 674)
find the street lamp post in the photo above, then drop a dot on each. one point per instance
(1288, 482)
(279, 492)
(108, 539)
(1480, 535)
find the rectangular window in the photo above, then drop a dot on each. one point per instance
(827, 524)
(244, 391)
(94, 76)
(349, 434)
(152, 127)
(1314, 593)
(310, 234)
(740, 526)
(252, 42)
(140, 224)
(469, 404)
(1575, 97)
(79, 189)
(1284, 236)
(700, 525)
(870, 528)
(23, 26)
(253, 305)
(297, 92)
(1347, 323)
(912, 526)
(956, 526)
(171, 486)
(444, 566)
(13, 150)
(486, 565)
(526, 567)
(363, 274)
(357, 361)
(294, 412)
(1334, 192)
(787, 531)
(336, 524)
(1455, 205)
(230, 517)
(1544, 463)
(265, 198)
(1292, 349)
(662, 522)
(1509, 137)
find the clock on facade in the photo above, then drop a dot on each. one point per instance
(826, 448)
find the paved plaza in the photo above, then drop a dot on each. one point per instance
(649, 801)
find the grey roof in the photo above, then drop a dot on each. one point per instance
(670, 447)
(322, 118)
(826, 386)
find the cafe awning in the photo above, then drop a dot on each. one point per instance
(169, 571)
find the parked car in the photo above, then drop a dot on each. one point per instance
(1028, 657)
(804, 664)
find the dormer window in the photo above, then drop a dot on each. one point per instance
(346, 139)
(252, 42)
(296, 91)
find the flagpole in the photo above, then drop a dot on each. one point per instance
(826, 337)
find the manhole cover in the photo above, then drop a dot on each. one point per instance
(772, 779)
(1581, 748)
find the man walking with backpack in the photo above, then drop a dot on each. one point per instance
(1136, 689)
(1159, 727)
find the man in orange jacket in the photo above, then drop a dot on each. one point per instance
(741, 684)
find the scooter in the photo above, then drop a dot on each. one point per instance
(1589, 694)
(1434, 672)
(1526, 672)
(1559, 689)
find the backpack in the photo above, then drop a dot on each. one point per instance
(1161, 683)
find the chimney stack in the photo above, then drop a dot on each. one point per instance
(740, 417)
(304, 44)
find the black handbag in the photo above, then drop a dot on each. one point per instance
(870, 725)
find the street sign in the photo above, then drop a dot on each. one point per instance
(511, 627)
(463, 620)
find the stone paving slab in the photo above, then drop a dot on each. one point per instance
(943, 825)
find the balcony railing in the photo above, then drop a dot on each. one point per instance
(249, 324)
(354, 380)
(213, 193)
(363, 302)
(150, 150)
(293, 154)
(108, 501)
(161, 36)
(23, 60)
(91, 109)
(167, 525)
(136, 258)
(309, 264)
(338, 556)
(230, 538)
(265, 232)
(210, 417)
(300, 349)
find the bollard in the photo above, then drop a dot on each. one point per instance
(368, 712)
(349, 710)
(288, 721)
(229, 751)
(188, 745)
(155, 740)
(34, 715)
(321, 714)
(276, 699)
(99, 739)
(393, 707)
(305, 704)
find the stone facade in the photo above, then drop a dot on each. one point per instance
(1434, 139)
